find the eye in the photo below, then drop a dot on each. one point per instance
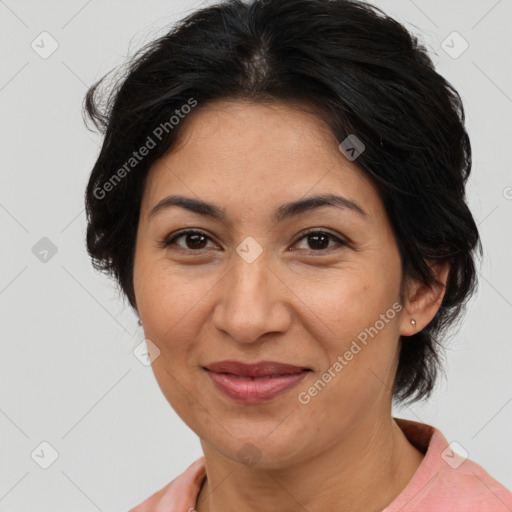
(320, 240)
(193, 240)
(197, 241)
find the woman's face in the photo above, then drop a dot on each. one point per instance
(255, 288)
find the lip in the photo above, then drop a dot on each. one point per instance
(260, 369)
(254, 383)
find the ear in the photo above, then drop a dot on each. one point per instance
(422, 302)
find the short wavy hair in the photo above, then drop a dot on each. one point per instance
(363, 73)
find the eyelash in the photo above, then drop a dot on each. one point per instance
(169, 241)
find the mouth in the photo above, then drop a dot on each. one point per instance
(254, 383)
(255, 370)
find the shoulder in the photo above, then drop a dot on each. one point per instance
(447, 480)
(469, 486)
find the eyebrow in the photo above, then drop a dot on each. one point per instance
(285, 211)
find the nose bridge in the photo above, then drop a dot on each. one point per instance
(250, 304)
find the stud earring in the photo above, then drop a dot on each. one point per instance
(413, 322)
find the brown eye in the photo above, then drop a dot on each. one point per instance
(318, 241)
(193, 240)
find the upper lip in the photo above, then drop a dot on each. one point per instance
(260, 369)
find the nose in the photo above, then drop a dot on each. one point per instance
(252, 301)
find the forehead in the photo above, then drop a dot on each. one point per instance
(256, 154)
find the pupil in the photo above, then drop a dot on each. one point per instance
(325, 239)
(196, 237)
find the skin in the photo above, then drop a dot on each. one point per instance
(343, 450)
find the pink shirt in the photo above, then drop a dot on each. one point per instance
(444, 482)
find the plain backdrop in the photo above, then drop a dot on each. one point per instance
(68, 375)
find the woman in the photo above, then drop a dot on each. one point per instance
(280, 196)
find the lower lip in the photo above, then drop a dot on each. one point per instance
(254, 391)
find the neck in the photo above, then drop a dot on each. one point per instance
(364, 471)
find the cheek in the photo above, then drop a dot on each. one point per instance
(170, 301)
(355, 319)
(178, 387)
(348, 302)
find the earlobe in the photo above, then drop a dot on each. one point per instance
(424, 301)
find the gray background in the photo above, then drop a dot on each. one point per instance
(67, 372)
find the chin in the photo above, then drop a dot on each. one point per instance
(260, 451)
